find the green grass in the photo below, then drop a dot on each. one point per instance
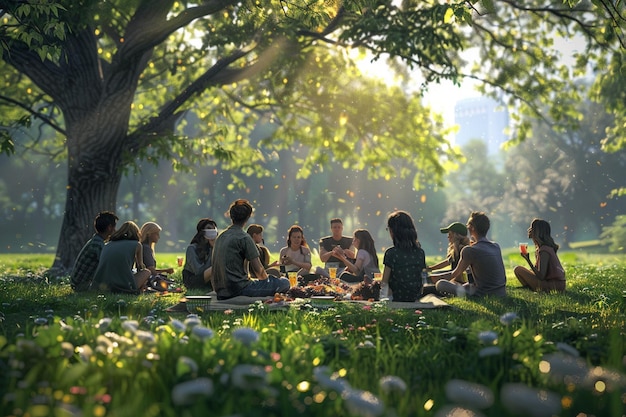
(59, 355)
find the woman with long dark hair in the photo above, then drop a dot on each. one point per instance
(366, 263)
(547, 274)
(197, 269)
(405, 260)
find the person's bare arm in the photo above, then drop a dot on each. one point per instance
(354, 268)
(324, 254)
(440, 265)
(349, 253)
(257, 266)
(386, 274)
(207, 274)
(450, 276)
(139, 257)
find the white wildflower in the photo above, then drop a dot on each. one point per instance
(246, 335)
(187, 392)
(565, 369)
(469, 394)
(489, 351)
(85, 352)
(130, 325)
(249, 377)
(363, 403)
(65, 327)
(41, 321)
(146, 337)
(67, 349)
(521, 399)
(202, 332)
(186, 365)
(192, 320)
(455, 411)
(391, 383)
(508, 318)
(104, 324)
(333, 381)
(178, 325)
(119, 339)
(488, 337)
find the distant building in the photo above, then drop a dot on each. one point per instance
(481, 118)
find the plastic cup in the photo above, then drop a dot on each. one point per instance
(293, 278)
(523, 248)
(180, 261)
(378, 276)
(332, 272)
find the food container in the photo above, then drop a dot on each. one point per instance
(198, 303)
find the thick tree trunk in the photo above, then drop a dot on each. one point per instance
(86, 197)
(95, 140)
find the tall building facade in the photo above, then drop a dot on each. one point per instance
(481, 118)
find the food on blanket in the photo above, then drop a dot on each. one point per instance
(297, 292)
(366, 291)
(319, 287)
(278, 298)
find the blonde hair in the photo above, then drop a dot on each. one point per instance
(146, 230)
(457, 243)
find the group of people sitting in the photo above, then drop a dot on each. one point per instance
(235, 262)
(124, 264)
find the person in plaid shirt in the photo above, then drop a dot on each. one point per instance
(89, 256)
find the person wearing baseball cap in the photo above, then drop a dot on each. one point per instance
(484, 257)
(456, 227)
(457, 240)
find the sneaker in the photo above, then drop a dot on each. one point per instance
(181, 307)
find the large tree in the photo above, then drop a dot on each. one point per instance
(114, 79)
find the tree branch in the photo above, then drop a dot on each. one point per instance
(45, 74)
(569, 15)
(164, 119)
(34, 113)
(148, 28)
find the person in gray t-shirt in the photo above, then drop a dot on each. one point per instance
(484, 257)
(234, 246)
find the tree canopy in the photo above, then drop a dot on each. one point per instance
(120, 80)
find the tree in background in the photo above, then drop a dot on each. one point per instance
(114, 79)
(565, 177)
(614, 235)
(476, 185)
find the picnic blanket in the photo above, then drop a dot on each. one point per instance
(242, 302)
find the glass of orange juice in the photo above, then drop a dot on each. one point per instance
(523, 248)
(293, 278)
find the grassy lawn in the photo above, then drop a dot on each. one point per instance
(109, 355)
